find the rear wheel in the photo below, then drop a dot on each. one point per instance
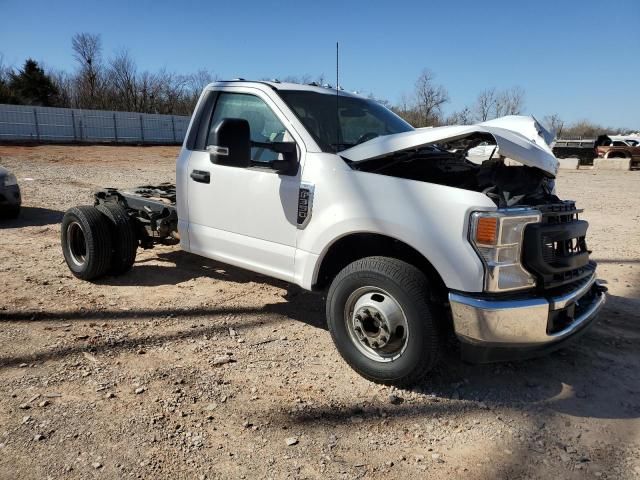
(86, 242)
(381, 321)
(123, 237)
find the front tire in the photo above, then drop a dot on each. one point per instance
(381, 321)
(86, 242)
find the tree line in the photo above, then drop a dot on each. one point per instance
(116, 83)
(425, 107)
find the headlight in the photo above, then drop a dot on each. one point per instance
(497, 237)
(10, 179)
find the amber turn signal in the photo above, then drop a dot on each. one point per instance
(486, 230)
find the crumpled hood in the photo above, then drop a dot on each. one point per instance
(512, 144)
(527, 126)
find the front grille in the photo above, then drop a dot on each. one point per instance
(555, 250)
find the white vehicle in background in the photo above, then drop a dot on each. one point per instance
(333, 192)
(624, 140)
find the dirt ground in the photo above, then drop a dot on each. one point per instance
(119, 378)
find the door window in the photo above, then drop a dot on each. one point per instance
(264, 126)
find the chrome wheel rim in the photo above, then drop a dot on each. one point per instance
(376, 324)
(76, 244)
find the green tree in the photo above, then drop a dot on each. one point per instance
(31, 86)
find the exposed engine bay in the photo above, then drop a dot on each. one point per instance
(508, 184)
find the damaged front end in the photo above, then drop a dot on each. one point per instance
(516, 170)
(506, 184)
(540, 287)
(518, 175)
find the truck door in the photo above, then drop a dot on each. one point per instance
(245, 216)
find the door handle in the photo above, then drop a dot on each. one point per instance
(201, 176)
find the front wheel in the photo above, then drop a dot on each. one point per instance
(381, 321)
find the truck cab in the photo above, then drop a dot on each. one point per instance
(407, 238)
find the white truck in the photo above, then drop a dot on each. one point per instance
(409, 240)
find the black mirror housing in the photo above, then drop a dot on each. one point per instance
(231, 143)
(289, 163)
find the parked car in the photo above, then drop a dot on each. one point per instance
(337, 194)
(10, 199)
(618, 147)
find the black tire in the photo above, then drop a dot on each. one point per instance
(409, 288)
(86, 242)
(123, 237)
(10, 213)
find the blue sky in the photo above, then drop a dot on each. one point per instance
(580, 59)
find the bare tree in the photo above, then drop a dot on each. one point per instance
(429, 99)
(584, 129)
(485, 104)
(5, 93)
(462, 117)
(150, 91)
(200, 79)
(65, 85)
(4, 69)
(122, 78)
(406, 109)
(509, 102)
(87, 50)
(555, 124)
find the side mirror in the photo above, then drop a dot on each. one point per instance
(289, 163)
(231, 143)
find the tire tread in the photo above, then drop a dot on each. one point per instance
(98, 241)
(123, 237)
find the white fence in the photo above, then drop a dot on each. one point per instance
(48, 124)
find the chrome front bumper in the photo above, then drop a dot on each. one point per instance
(524, 322)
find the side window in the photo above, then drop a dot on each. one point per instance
(264, 125)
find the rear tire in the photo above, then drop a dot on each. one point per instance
(381, 321)
(10, 213)
(123, 237)
(86, 242)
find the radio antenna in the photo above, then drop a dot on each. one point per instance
(337, 96)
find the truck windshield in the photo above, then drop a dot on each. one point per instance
(358, 119)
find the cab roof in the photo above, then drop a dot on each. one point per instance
(276, 85)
